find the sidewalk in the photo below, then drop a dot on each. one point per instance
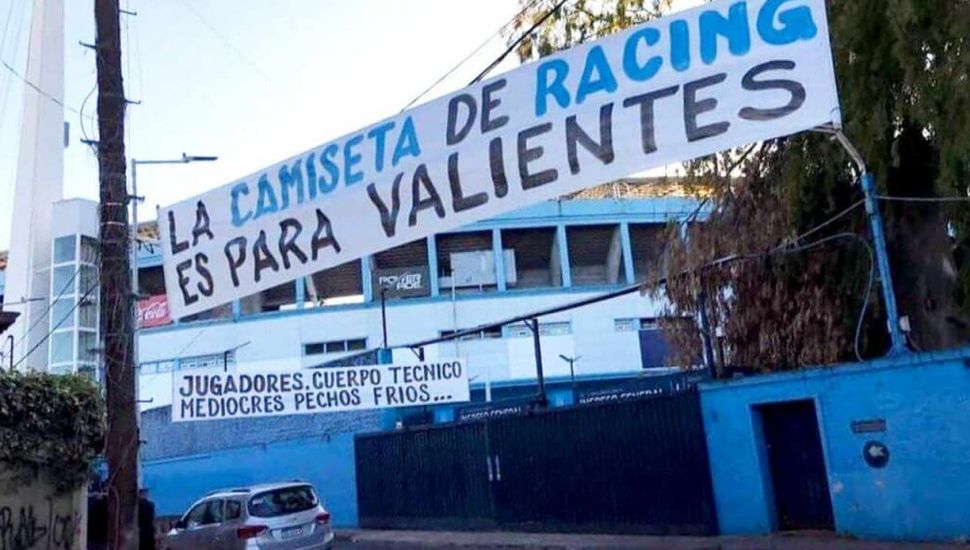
(365, 540)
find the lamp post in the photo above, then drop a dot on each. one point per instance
(572, 373)
(135, 199)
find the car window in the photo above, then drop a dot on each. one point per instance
(233, 509)
(213, 512)
(282, 501)
(196, 514)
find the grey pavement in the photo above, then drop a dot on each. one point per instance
(479, 540)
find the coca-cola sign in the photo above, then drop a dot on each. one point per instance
(153, 312)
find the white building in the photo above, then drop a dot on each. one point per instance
(542, 256)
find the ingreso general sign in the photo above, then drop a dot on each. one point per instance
(697, 82)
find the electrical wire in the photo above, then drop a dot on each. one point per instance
(869, 283)
(517, 41)
(831, 220)
(68, 285)
(69, 315)
(37, 88)
(192, 341)
(7, 83)
(921, 199)
(790, 246)
(465, 59)
(225, 41)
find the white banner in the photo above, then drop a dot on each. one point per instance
(691, 84)
(213, 394)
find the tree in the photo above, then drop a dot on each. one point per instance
(902, 68)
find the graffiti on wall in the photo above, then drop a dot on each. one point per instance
(25, 526)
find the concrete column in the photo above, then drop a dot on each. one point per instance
(365, 273)
(39, 182)
(627, 243)
(499, 259)
(433, 265)
(567, 276)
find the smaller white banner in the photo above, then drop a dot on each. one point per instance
(214, 395)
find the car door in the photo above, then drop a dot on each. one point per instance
(231, 522)
(186, 531)
(204, 527)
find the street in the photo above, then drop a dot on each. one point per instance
(407, 540)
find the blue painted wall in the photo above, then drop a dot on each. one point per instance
(326, 462)
(183, 461)
(924, 491)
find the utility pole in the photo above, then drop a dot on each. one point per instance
(117, 297)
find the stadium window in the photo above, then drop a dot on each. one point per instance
(648, 242)
(466, 262)
(520, 330)
(338, 285)
(335, 346)
(534, 256)
(279, 297)
(595, 254)
(491, 332)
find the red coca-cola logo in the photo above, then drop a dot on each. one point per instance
(153, 312)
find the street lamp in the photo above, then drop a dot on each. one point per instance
(572, 373)
(135, 199)
(186, 159)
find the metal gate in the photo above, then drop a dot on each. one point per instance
(636, 466)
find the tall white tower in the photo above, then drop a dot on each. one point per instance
(39, 183)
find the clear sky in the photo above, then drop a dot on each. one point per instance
(252, 81)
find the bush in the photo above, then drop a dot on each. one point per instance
(52, 425)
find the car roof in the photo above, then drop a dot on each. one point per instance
(253, 489)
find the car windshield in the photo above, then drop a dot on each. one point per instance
(282, 501)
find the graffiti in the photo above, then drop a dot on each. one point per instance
(24, 528)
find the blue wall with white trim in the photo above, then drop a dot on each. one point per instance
(923, 493)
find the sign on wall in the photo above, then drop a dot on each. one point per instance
(697, 82)
(402, 282)
(214, 394)
(153, 312)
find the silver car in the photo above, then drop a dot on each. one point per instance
(278, 516)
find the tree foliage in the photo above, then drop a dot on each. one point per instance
(50, 424)
(902, 68)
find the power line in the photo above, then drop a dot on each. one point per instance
(222, 38)
(37, 88)
(789, 247)
(7, 83)
(831, 220)
(465, 59)
(921, 199)
(70, 314)
(69, 284)
(517, 41)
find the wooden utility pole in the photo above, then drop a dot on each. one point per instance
(117, 299)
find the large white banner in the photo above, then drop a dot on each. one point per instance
(213, 394)
(701, 81)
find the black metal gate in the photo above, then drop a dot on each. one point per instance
(798, 472)
(636, 466)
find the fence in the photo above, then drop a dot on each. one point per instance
(636, 466)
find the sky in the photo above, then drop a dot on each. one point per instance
(250, 81)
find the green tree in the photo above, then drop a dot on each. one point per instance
(902, 68)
